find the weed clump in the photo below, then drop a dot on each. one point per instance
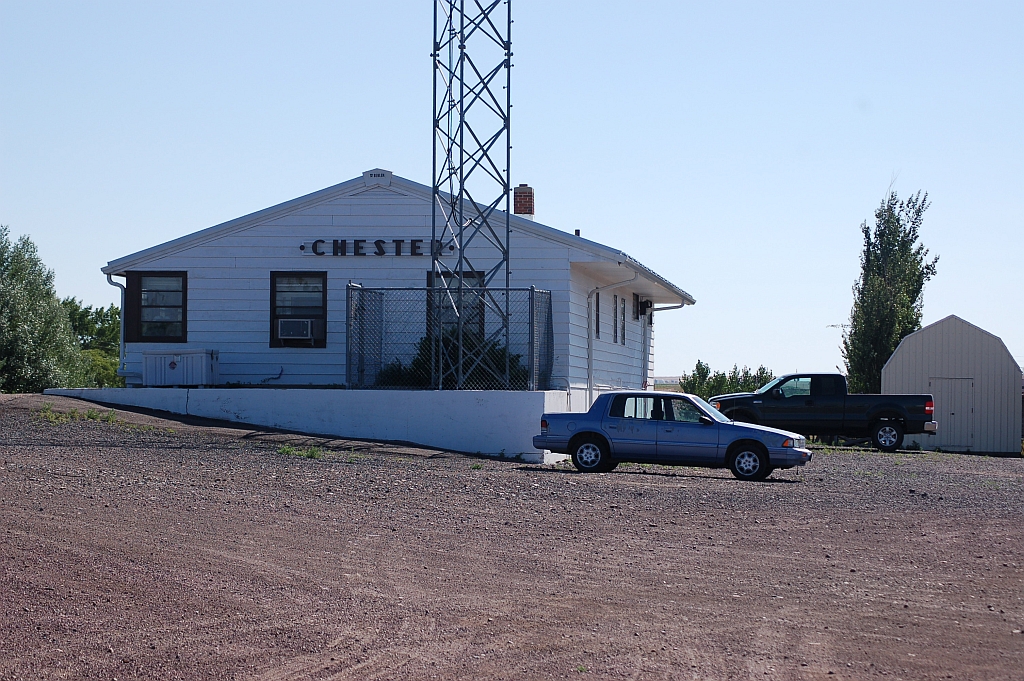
(47, 413)
(307, 453)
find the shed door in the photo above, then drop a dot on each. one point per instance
(954, 410)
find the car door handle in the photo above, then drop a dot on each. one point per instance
(668, 430)
(613, 427)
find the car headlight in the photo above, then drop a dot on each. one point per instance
(795, 442)
(717, 405)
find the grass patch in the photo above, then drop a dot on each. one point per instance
(307, 453)
(475, 467)
(47, 413)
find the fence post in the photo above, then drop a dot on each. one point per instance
(533, 338)
(348, 336)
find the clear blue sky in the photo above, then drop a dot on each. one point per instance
(735, 148)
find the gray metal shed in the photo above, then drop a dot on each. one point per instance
(975, 382)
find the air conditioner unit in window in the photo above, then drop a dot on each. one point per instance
(295, 329)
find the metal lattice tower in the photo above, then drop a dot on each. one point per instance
(469, 316)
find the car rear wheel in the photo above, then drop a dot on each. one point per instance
(887, 435)
(750, 462)
(590, 455)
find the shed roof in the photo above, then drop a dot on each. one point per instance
(936, 327)
(659, 289)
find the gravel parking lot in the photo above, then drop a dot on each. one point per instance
(141, 547)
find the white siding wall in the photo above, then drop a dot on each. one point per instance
(615, 365)
(954, 349)
(229, 292)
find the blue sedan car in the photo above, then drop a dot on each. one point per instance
(670, 429)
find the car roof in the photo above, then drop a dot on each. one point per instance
(648, 393)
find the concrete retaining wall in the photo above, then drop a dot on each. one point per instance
(491, 422)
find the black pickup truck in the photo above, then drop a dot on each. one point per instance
(818, 404)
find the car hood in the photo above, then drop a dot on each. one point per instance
(731, 396)
(753, 428)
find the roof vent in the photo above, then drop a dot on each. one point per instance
(522, 201)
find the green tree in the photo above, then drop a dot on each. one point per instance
(37, 346)
(99, 336)
(888, 296)
(706, 384)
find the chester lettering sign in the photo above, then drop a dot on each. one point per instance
(357, 247)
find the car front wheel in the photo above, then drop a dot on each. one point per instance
(590, 455)
(887, 435)
(750, 463)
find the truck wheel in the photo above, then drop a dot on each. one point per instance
(590, 455)
(887, 435)
(750, 462)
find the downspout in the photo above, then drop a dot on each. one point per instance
(647, 340)
(590, 332)
(120, 348)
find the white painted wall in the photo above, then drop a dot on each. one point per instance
(229, 285)
(616, 365)
(490, 422)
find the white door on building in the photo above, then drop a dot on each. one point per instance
(954, 410)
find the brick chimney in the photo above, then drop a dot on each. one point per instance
(522, 201)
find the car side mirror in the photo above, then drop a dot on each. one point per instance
(706, 420)
(777, 393)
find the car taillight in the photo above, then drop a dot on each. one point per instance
(929, 407)
(543, 426)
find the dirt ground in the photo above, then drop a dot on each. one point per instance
(139, 547)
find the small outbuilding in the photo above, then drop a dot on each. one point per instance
(974, 380)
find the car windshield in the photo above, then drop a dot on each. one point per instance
(768, 386)
(710, 411)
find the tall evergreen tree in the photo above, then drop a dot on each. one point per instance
(37, 346)
(888, 296)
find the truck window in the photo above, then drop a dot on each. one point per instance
(796, 386)
(768, 386)
(824, 386)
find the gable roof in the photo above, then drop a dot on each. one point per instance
(947, 321)
(367, 182)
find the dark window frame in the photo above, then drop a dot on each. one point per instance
(615, 319)
(622, 324)
(276, 342)
(133, 307)
(597, 315)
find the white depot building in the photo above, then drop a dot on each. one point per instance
(330, 290)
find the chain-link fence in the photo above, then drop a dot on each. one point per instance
(412, 338)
